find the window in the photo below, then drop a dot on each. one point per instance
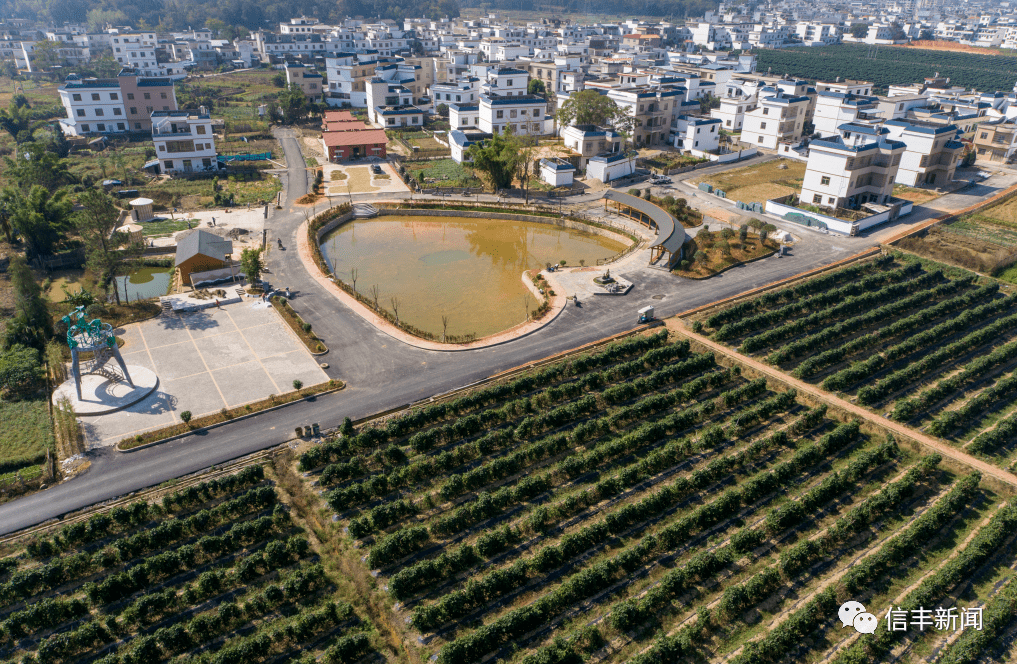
(510, 82)
(165, 108)
(162, 95)
(113, 96)
(77, 97)
(825, 180)
(391, 121)
(713, 129)
(120, 126)
(206, 162)
(201, 129)
(98, 112)
(148, 95)
(762, 125)
(169, 164)
(766, 111)
(148, 110)
(728, 123)
(414, 119)
(95, 96)
(817, 199)
(499, 114)
(116, 111)
(85, 128)
(130, 96)
(81, 112)
(100, 127)
(512, 113)
(985, 134)
(759, 140)
(137, 125)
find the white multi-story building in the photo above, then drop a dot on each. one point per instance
(732, 111)
(817, 34)
(778, 119)
(94, 106)
(931, 154)
(849, 174)
(137, 51)
(526, 115)
(465, 91)
(589, 141)
(183, 141)
(505, 82)
(836, 108)
(699, 134)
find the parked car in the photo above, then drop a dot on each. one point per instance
(376, 169)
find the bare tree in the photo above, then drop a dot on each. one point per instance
(353, 278)
(444, 327)
(395, 308)
(526, 309)
(375, 293)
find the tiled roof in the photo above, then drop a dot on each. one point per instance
(365, 137)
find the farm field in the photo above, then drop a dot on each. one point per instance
(218, 572)
(643, 503)
(890, 66)
(934, 347)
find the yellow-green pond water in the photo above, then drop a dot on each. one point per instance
(467, 269)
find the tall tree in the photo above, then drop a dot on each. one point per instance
(495, 159)
(108, 250)
(588, 107)
(37, 165)
(40, 218)
(32, 319)
(252, 264)
(293, 103)
(524, 150)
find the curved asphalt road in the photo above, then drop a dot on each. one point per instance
(382, 373)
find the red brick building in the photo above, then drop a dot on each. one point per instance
(344, 145)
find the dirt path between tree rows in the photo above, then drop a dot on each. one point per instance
(935, 445)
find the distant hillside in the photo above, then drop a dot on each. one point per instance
(253, 14)
(889, 65)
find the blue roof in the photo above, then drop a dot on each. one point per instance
(863, 129)
(557, 165)
(838, 144)
(462, 108)
(506, 101)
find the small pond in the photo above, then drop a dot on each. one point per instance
(144, 283)
(467, 269)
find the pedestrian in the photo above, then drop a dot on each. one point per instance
(217, 304)
(213, 221)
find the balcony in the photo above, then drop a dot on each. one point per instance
(179, 133)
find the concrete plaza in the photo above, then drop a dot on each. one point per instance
(206, 361)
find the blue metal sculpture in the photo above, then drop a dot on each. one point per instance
(97, 338)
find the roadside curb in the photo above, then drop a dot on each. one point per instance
(229, 421)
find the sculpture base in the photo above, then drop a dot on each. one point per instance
(100, 396)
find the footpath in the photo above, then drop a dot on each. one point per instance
(896, 428)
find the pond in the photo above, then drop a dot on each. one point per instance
(144, 283)
(468, 270)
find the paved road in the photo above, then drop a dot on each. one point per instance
(382, 373)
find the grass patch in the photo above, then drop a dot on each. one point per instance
(338, 175)
(360, 180)
(26, 436)
(913, 194)
(167, 227)
(444, 173)
(227, 414)
(246, 187)
(761, 182)
(297, 324)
